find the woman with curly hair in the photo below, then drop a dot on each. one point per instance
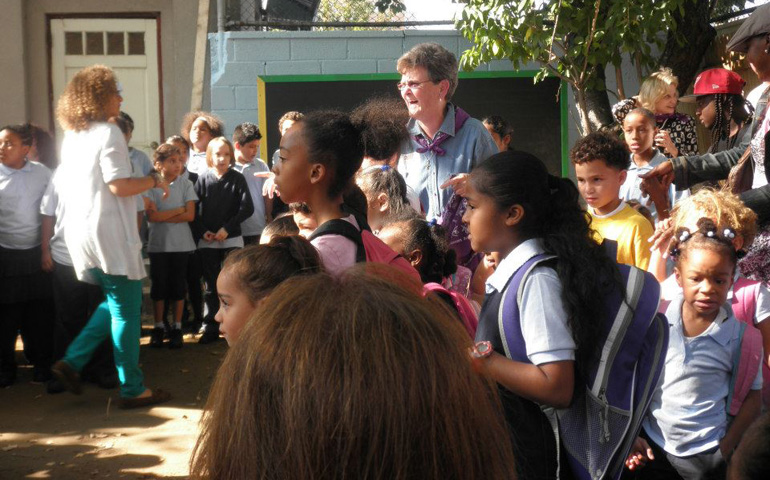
(199, 128)
(96, 191)
(351, 377)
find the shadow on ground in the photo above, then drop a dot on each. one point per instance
(67, 436)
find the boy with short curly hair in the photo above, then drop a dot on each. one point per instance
(601, 163)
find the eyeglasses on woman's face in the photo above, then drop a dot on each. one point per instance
(411, 85)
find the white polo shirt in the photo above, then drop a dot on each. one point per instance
(20, 194)
(543, 317)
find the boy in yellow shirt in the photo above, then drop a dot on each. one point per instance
(601, 162)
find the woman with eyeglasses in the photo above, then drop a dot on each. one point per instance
(444, 141)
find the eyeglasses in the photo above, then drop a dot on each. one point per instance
(410, 85)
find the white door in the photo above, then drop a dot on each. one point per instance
(128, 46)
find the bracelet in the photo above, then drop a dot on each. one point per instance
(482, 349)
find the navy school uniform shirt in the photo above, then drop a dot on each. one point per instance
(223, 202)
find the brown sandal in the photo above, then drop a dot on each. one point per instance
(67, 375)
(158, 396)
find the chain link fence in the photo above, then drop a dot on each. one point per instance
(245, 15)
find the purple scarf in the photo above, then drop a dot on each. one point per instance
(426, 145)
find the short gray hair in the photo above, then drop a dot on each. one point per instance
(440, 63)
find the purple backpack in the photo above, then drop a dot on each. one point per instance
(598, 429)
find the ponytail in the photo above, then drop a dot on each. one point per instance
(258, 269)
(553, 214)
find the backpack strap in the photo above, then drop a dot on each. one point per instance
(345, 229)
(744, 302)
(746, 362)
(508, 318)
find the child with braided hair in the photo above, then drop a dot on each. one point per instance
(720, 107)
(688, 431)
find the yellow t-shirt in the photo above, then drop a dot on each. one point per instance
(630, 229)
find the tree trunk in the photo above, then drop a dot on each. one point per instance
(594, 104)
(698, 34)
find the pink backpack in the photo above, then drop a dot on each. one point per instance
(369, 248)
(462, 305)
(748, 359)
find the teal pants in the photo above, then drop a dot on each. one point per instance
(119, 316)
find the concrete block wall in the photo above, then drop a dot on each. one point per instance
(237, 58)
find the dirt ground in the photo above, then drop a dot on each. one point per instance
(66, 436)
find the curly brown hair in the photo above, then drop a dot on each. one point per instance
(601, 146)
(85, 98)
(215, 124)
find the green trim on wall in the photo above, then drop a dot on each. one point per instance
(329, 78)
(563, 93)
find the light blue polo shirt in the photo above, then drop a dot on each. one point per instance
(632, 190)
(256, 222)
(425, 172)
(166, 236)
(688, 412)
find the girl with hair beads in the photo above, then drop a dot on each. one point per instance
(170, 243)
(225, 202)
(199, 128)
(750, 299)
(386, 196)
(249, 275)
(351, 377)
(688, 432)
(517, 209)
(25, 285)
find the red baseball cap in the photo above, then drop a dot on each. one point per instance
(715, 80)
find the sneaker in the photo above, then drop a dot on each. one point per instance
(156, 340)
(176, 340)
(208, 336)
(67, 376)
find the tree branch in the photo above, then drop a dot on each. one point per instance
(590, 39)
(553, 35)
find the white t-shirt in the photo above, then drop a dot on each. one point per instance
(20, 194)
(99, 227)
